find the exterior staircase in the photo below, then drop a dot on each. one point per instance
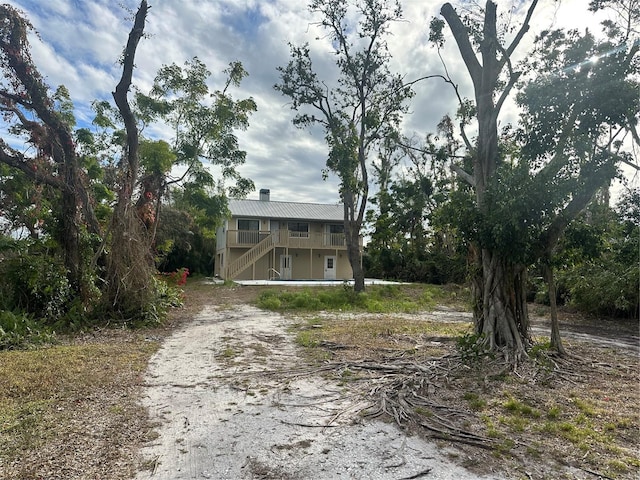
(250, 257)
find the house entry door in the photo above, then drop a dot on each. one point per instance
(285, 267)
(275, 230)
(330, 267)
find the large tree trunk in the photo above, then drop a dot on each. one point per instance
(355, 258)
(130, 266)
(500, 311)
(498, 284)
(352, 225)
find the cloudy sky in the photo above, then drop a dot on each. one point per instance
(81, 41)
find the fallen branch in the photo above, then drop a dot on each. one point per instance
(419, 474)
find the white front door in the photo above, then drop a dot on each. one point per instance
(285, 267)
(330, 267)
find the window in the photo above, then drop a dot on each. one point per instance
(335, 238)
(336, 228)
(298, 229)
(248, 231)
(247, 224)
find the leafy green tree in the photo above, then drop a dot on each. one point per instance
(364, 106)
(186, 234)
(598, 263)
(527, 189)
(204, 123)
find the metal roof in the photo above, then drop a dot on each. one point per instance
(287, 210)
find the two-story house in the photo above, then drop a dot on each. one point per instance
(268, 240)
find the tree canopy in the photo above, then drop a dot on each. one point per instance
(93, 195)
(363, 107)
(105, 204)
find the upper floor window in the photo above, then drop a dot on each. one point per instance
(298, 229)
(248, 231)
(335, 235)
(248, 224)
(336, 228)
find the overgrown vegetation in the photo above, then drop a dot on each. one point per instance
(431, 377)
(80, 206)
(18, 331)
(36, 302)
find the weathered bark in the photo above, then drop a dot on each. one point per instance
(352, 226)
(500, 311)
(129, 267)
(498, 284)
(555, 339)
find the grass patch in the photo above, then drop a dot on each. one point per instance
(519, 408)
(376, 333)
(42, 393)
(553, 412)
(229, 353)
(474, 400)
(376, 298)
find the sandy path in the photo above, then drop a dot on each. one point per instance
(224, 414)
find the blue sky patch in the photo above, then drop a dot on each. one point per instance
(247, 22)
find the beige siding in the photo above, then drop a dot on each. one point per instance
(307, 252)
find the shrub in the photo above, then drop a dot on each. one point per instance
(20, 331)
(177, 278)
(471, 347)
(34, 282)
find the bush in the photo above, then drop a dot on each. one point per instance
(471, 347)
(604, 287)
(19, 331)
(177, 278)
(34, 281)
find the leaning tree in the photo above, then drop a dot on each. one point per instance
(362, 108)
(31, 112)
(527, 188)
(45, 121)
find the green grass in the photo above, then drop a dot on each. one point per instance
(519, 408)
(474, 400)
(376, 298)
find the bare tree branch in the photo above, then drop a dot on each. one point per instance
(120, 94)
(464, 44)
(467, 177)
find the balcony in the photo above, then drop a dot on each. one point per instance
(288, 239)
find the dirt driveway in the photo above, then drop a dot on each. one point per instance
(232, 401)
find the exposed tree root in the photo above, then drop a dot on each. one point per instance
(406, 392)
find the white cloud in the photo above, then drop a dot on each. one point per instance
(82, 41)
